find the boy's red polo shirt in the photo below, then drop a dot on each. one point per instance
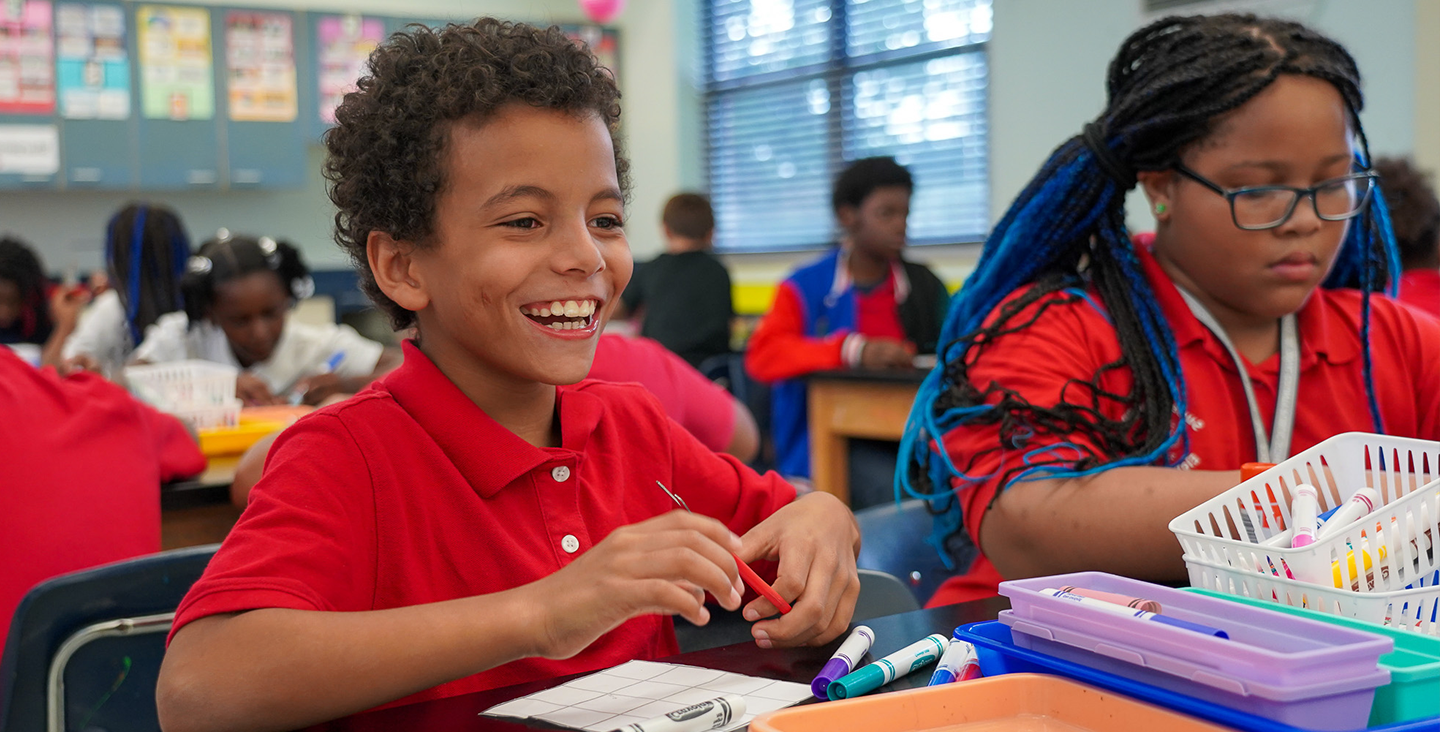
(408, 494)
(1073, 341)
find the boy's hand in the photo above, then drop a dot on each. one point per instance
(663, 565)
(886, 353)
(66, 304)
(816, 540)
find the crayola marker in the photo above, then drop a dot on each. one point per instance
(869, 678)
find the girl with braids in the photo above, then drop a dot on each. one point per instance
(1091, 387)
(33, 321)
(146, 249)
(238, 293)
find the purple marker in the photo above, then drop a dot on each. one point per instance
(843, 662)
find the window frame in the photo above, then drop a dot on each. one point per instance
(840, 68)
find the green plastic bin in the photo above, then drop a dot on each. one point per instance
(1414, 665)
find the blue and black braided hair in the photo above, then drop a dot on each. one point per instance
(1166, 88)
(146, 249)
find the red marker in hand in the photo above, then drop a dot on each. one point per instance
(747, 574)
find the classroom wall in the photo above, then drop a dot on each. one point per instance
(1048, 59)
(67, 226)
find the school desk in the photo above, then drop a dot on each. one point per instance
(791, 664)
(197, 510)
(854, 404)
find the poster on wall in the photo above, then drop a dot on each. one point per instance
(345, 43)
(29, 150)
(92, 63)
(177, 78)
(27, 63)
(603, 42)
(260, 66)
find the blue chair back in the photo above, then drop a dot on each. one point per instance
(892, 540)
(84, 648)
(728, 370)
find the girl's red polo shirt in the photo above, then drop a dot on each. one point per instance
(1073, 341)
(408, 493)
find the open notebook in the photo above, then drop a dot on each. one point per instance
(639, 690)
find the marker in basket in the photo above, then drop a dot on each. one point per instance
(746, 573)
(1304, 509)
(1135, 602)
(717, 713)
(1114, 609)
(869, 678)
(960, 663)
(844, 660)
(1361, 504)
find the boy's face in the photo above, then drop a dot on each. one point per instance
(10, 304)
(531, 216)
(877, 226)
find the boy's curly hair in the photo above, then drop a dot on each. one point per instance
(386, 164)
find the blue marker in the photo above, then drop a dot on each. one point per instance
(960, 663)
(296, 396)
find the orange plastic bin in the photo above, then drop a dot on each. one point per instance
(1018, 702)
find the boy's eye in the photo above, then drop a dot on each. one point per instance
(607, 222)
(529, 222)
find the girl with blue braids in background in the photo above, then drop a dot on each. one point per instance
(146, 249)
(1092, 386)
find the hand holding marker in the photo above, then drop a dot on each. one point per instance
(296, 396)
(746, 573)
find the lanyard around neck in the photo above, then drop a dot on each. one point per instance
(1277, 446)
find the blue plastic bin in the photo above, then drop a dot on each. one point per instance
(999, 655)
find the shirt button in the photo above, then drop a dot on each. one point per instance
(570, 544)
(560, 474)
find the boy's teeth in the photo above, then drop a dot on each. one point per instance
(543, 312)
(572, 309)
(557, 307)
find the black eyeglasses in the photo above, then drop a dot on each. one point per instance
(1256, 208)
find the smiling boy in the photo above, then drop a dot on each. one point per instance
(466, 523)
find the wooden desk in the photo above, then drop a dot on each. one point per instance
(847, 404)
(198, 511)
(790, 664)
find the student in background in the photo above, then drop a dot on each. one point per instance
(1415, 215)
(146, 249)
(466, 523)
(1095, 386)
(862, 305)
(82, 467)
(34, 320)
(683, 296)
(238, 294)
(709, 413)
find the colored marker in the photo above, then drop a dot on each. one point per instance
(717, 713)
(1361, 504)
(1111, 597)
(1114, 609)
(844, 660)
(869, 678)
(960, 663)
(747, 574)
(1304, 509)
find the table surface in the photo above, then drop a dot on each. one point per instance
(791, 664)
(902, 376)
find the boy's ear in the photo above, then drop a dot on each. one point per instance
(1159, 187)
(392, 262)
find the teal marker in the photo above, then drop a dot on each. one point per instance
(869, 678)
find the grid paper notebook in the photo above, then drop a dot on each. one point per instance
(639, 690)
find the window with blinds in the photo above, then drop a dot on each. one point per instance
(797, 88)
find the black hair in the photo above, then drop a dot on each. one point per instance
(146, 250)
(860, 178)
(1414, 212)
(21, 265)
(387, 151)
(689, 215)
(1166, 89)
(227, 258)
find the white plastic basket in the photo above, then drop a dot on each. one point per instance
(183, 384)
(1226, 530)
(1413, 610)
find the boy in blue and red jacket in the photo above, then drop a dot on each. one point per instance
(859, 306)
